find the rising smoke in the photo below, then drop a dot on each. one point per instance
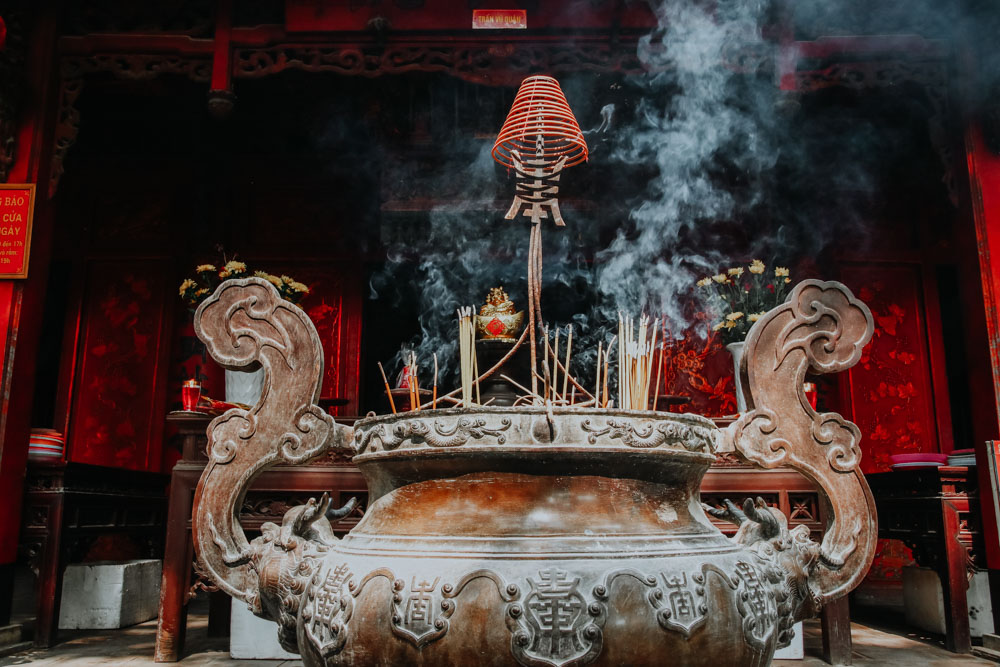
(732, 172)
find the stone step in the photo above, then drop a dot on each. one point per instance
(988, 654)
(11, 634)
(11, 649)
(14, 638)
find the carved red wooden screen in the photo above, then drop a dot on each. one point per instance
(334, 305)
(117, 386)
(892, 389)
(701, 369)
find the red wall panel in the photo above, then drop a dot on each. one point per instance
(891, 390)
(119, 383)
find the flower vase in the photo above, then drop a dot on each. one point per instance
(244, 386)
(736, 350)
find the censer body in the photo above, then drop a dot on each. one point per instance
(534, 535)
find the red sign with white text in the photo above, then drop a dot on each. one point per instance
(314, 16)
(17, 203)
(499, 19)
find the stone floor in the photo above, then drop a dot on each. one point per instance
(134, 646)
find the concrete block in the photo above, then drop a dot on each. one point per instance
(106, 595)
(252, 638)
(924, 599)
(795, 650)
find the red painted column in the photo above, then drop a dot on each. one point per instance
(984, 185)
(21, 301)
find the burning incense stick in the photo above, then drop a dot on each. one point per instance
(569, 352)
(604, 404)
(545, 363)
(475, 362)
(659, 371)
(388, 392)
(414, 384)
(466, 338)
(555, 369)
(597, 374)
(434, 400)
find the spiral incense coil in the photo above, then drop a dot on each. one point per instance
(540, 110)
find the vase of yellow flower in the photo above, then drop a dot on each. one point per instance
(243, 387)
(735, 299)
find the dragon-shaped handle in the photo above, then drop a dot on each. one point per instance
(245, 323)
(821, 327)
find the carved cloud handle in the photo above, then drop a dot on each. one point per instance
(246, 322)
(824, 328)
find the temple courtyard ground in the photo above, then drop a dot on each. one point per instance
(888, 644)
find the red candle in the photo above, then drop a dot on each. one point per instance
(190, 393)
(810, 391)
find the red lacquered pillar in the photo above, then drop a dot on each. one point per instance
(984, 186)
(21, 301)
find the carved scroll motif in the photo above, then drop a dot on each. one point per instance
(415, 432)
(243, 324)
(821, 327)
(640, 435)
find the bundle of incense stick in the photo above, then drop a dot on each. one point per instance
(636, 350)
(467, 356)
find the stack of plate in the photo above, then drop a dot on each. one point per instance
(918, 460)
(962, 457)
(46, 444)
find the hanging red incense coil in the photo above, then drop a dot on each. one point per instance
(540, 109)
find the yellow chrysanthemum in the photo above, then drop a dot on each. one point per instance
(788, 280)
(780, 271)
(732, 317)
(232, 267)
(205, 268)
(202, 292)
(186, 285)
(736, 271)
(720, 325)
(757, 266)
(753, 317)
(720, 278)
(730, 325)
(704, 282)
(298, 287)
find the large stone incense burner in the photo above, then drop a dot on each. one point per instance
(535, 536)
